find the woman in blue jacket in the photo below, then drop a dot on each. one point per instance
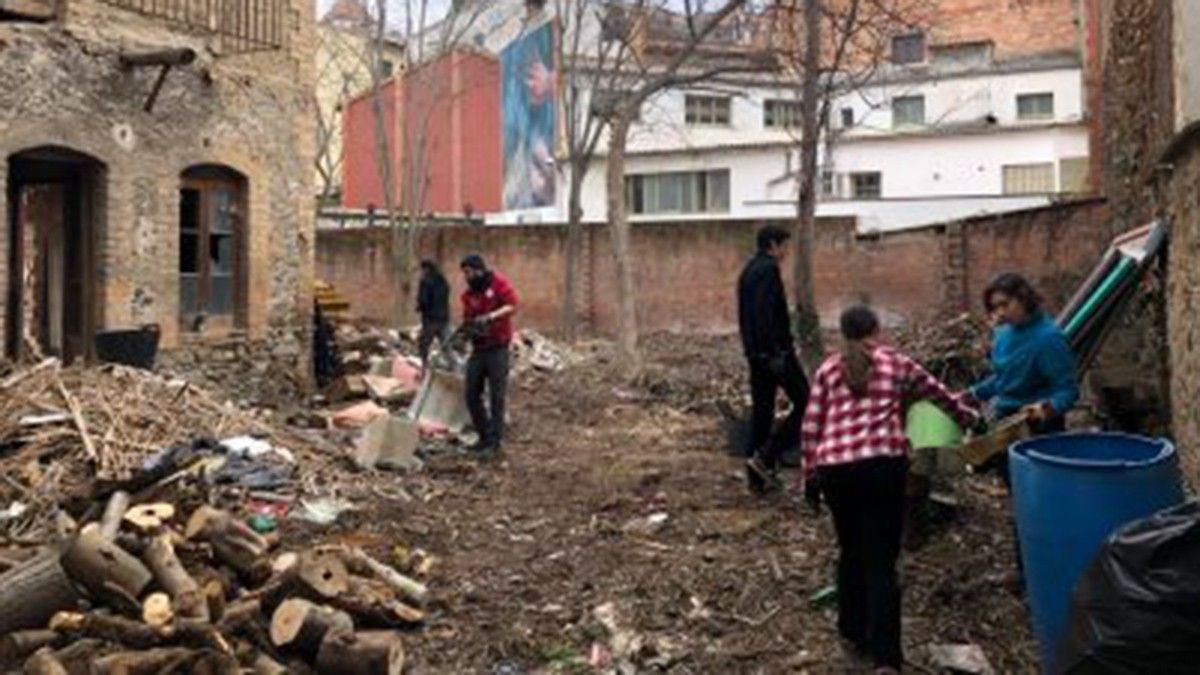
(1033, 368)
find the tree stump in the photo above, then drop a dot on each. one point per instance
(233, 542)
(300, 626)
(114, 512)
(33, 591)
(366, 653)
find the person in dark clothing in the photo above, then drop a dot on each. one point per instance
(489, 304)
(771, 352)
(433, 304)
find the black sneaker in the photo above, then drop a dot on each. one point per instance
(761, 478)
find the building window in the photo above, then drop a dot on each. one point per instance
(781, 114)
(828, 183)
(908, 111)
(212, 232)
(908, 48)
(1073, 174)
(1026, 179)
(678, 192)
(714, 110)
(1035, 106)
(867, 185)
(847, 118)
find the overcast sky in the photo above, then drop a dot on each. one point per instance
(396, 9)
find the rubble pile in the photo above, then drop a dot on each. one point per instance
(138, 591)
(954, 349)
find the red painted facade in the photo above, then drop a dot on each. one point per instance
(442, 120)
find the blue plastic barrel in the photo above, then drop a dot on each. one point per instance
(1070, 491)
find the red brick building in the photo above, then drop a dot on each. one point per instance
(443, 137)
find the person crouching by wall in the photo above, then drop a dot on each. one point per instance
(855, 455)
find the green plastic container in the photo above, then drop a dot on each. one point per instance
(928, 427)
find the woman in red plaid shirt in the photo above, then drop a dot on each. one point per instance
(856, 456)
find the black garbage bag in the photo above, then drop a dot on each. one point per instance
(1136, 609)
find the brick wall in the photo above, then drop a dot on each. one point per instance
(687, 271)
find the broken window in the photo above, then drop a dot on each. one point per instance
(678, 192)
(908, 111)
(211, 235)
(867, 184)
(1025, 179)
(908, 48)
(1035, 106)
(713, 110)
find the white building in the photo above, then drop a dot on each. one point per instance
(929, 145)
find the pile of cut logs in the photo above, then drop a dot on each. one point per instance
(132, 594)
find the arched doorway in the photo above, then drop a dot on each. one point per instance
(56, 207)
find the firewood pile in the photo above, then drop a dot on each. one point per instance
(70, 435)
(141, 590)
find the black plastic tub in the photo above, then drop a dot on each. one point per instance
(135, 347)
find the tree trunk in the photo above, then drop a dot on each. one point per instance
(570, 313)
(366, 653)
(618, 221)
(33, 591)
(809, 323)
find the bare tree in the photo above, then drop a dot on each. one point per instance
(829, 49)
(688, 29)
(426, 41)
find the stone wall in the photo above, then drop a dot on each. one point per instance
(687, 271)
(1183, 303)
(61, 85)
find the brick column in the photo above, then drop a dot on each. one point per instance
(954, 277)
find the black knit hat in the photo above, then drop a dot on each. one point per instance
(474, 261)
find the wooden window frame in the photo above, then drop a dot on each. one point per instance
(207, 185)
(701, 110)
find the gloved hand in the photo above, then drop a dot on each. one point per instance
(812, 493)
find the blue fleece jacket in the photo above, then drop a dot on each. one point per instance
(1030, 363)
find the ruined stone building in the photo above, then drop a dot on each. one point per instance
(1147, 142)
(157, 165)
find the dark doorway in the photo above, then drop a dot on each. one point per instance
(55, 204)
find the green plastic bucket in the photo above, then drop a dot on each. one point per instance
(928, 427)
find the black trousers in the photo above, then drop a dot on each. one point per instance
(429, 333)
(867, 502)
(764, 385)
(488, 368)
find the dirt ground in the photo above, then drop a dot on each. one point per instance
(547, 559)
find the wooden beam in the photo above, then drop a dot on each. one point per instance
(161, 57)
(33, 10)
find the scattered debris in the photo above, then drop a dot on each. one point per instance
(961, 659)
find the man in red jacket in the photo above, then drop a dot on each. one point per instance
(488, 307)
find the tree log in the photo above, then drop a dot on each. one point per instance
(143, 662)
(132, 634)
(374, 602)
(16, 647)
(33, 591)
(156, 611)
(44, 662)
(100, 566)
(190, 601)
(299, 626)
(78, 654)
(110, 523)
(150, 517)
(316, 576)
(365, 653)
(233, 542)
(265, 665)
(214, 598)
(410, 589)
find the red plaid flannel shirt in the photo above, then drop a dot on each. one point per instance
(840, 428)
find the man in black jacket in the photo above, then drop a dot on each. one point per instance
(433, 304)
(769, 347)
